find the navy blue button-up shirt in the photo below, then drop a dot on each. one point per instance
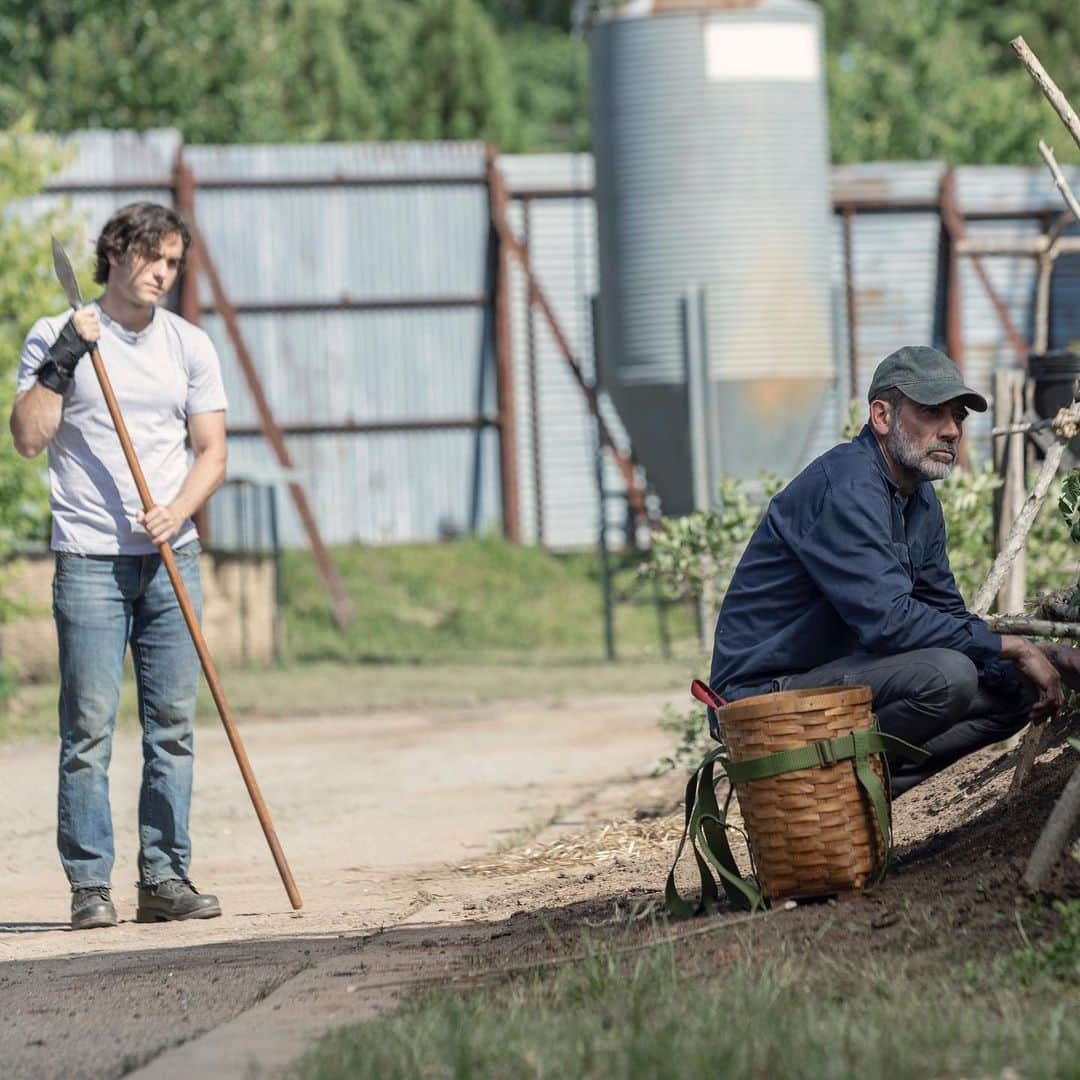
(841, 563)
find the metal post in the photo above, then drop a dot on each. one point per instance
(697, 423)
(184, 192)
(954, 321)
(279, 579)
(602, 495)
(504, 361)
(602, 537)
(534, 386)
(850, 302)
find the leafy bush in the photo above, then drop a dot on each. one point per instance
(967, 501)
(28, 289)
(694, 742)
(695, 556)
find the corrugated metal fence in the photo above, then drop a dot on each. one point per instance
(363, 281)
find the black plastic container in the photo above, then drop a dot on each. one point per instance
(1054, 374)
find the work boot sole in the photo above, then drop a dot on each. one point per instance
(148, 915)
(94, 922)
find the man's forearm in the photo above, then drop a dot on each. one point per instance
(205, 477)
(34, 419)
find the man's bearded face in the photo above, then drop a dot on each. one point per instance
(923, 438)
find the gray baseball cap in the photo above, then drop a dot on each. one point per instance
(925, 375)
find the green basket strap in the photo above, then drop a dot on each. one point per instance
(875, 790)
(676, 905)
(821, 754)
(706, 827)
(706, 823)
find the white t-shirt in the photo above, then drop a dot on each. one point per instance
(160, 375)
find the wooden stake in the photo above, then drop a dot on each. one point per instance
(1055, 835)
(1020, 528)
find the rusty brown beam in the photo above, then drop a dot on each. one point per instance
(534, 389)
(538, 297)
(954, 223)
(954, 318)
(852, 305)
(340, 604)
(504, 359)
(184, 194)
(372, 427)
(348, 303)
(343, 180)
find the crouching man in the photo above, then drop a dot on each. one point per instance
(847, 581)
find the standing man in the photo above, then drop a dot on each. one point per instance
(110, 587)
(847, 581)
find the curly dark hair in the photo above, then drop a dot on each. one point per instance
(139, 227)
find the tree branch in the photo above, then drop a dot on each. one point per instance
(1054, 836)
(1006, 624)
(1059, 179)
(1014, 543)
(1047, 85)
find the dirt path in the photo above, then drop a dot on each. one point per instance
(375, 814)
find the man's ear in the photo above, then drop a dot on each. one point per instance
(880, 417)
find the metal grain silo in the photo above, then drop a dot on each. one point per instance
(710, 139)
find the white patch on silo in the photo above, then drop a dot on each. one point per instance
(765, 51)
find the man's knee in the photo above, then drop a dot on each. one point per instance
(943, 679)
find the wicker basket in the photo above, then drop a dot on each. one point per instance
(811, 832)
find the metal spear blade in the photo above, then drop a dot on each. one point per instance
(65, 274)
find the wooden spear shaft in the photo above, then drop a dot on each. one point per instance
(209, 670)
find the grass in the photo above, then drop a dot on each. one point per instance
(455, 624)
(474, 599)
(651, 1017)
(319, 689)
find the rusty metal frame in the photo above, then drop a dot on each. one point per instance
(505, 247)
(954, 223)
(504, 357)
(534, 385)
(623, 459)
(200, 261)
(348, 303)
(849, 297)
(367, 427)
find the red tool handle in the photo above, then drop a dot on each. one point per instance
(707, 695)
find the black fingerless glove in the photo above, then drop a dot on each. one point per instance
(59, 367)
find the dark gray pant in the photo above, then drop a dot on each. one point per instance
(929, 697)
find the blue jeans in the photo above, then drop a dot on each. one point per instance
(100, 604)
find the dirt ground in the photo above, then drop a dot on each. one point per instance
(430, 848)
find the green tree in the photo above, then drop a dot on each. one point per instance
(324, 95)
(549, 71)
(463, 86)
(28, 289)
(910, 79)
(379, 36)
